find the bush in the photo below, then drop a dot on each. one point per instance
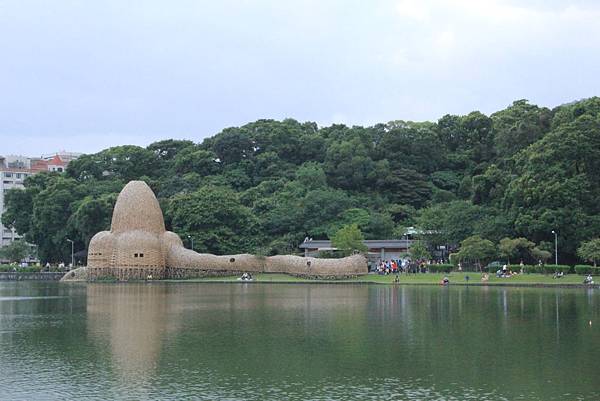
(587, 269)
(526, 268)
(493, 267)
(29, 269)
(7, 268)
(11, 268)
(544, 269)
(550, 269)
(442, 268)
(514, 268)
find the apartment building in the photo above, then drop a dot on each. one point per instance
(13, 171)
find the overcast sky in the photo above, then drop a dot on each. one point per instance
(87, 75)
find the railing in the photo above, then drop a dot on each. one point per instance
(39, 276)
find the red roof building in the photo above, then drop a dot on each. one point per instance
(55, 164)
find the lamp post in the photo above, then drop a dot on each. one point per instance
(191, 240)
(555, 247)
(72, 258)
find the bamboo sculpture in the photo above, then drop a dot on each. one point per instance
(138, 247)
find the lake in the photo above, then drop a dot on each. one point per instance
(257, 341)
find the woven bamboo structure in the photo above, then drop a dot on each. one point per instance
(133, 248)
(138, 246)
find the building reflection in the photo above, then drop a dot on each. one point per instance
(136, 322)
(132, 321)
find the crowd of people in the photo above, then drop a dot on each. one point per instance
(407, 266)
(398, 266)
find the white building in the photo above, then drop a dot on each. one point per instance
(13, 171)
(65, 156)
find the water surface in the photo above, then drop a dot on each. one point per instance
(288, 341)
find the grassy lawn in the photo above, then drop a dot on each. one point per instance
(460, 278)
(429, 278)
(263, 277)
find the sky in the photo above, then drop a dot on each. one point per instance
(87, 75)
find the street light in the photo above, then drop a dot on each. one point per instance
(72, 258)
(192, 240)
(555, 247)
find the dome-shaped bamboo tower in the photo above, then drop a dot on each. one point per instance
(138, 246)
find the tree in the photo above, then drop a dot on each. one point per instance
(349, 239)
(520, 173)
(18, 209)
(232, 145)
(541, 254)
(91, 215)
(193, 159)
(555, 183)
(404, 186)
(16, 251)
(478, 249)
(216, 219)
(479, 137)
(52, 209)
(488, 188)
(411, 145)
(348, 165)
(590, 250)
(305, 212)
(418, 251)
(449, 222)
(519, 248)
(519, 126)
(169, 148)
(268, 166)
(571, 111)
(399, 231)
(122, 162)
(311, 175)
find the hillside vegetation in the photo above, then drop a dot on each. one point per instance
(263, 187)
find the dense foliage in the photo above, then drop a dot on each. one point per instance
(15, 252)
(590, 251)
(263, 187)
(349, 239)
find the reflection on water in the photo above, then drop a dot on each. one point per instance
(253, 341)
(131, 321)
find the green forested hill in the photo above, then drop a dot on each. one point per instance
(263, 187)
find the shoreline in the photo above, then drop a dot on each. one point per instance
(340, 282)
(427, 279)
(533, 280)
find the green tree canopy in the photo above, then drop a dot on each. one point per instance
(541, 254)
(516, 248)
(349, 239)
(16, 251)
(519, 126)
(590, 250)
(519, 173)
(477, 249)
(91, 215)
(418, 251)
(215, 218)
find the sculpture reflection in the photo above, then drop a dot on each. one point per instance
(133, 321)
